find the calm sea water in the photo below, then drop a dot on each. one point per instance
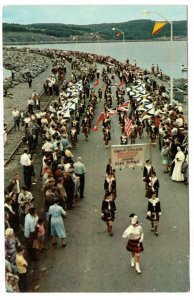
(145, 53)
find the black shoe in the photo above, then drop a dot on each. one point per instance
(54, 244)
(156, 233)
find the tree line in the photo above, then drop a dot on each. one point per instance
(133, 30)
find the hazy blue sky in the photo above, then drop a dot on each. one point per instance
(88, 14)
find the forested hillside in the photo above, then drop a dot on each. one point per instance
(133, 30)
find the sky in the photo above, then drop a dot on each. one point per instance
(88, 14)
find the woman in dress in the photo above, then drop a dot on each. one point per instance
(108, 211)
(56, 214)
(177, 175)
(135, 243)
(154, 213)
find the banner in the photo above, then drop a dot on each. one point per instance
(127, 156)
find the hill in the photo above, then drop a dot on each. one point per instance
(50, 32)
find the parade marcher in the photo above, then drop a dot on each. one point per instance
(109, 168)
(56, 214)
(152, 185)
(110, 184)
(177, 175)
(80, 171)
(154, 212)
(147, 169)
(135, 243)
(124, 139)
(108, 211)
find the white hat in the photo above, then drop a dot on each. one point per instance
(134, 220)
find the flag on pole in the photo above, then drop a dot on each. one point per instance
(100, 118)
(158, 26)
(118, 33)
(128, 126)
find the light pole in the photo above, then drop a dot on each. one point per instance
(145, 12)
(123, 41)
(97, 35)
(74, 38)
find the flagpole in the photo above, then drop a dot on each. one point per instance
(145, 12)
(123, 41)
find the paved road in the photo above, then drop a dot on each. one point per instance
(96, 262)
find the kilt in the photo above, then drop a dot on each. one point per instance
(132, 246)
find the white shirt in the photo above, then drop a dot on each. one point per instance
(30, 223)
(25, 160)
(15, 113)
(133, 232)
(47, 147)
(27, 120)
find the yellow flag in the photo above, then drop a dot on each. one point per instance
(158, 26)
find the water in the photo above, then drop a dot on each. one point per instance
(145, 53)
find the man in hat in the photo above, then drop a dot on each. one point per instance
(80, 171)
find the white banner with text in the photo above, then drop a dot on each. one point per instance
(127, 156)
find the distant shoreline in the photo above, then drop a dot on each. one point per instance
(88, 42)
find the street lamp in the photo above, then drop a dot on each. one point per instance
(74, 38)
(123, 41)
(96, 35)
(145, 13)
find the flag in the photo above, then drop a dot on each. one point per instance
(124, 106)
(118, 33)
(100, 118)
(111, 112)
(121, 83)
(96, 82)
(128, 126)
(158, 26)
(148, 114)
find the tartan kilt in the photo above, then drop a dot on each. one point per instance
(132, 246)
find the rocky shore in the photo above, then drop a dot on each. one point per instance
(24, 64)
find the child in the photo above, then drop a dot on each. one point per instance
(41, 234)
